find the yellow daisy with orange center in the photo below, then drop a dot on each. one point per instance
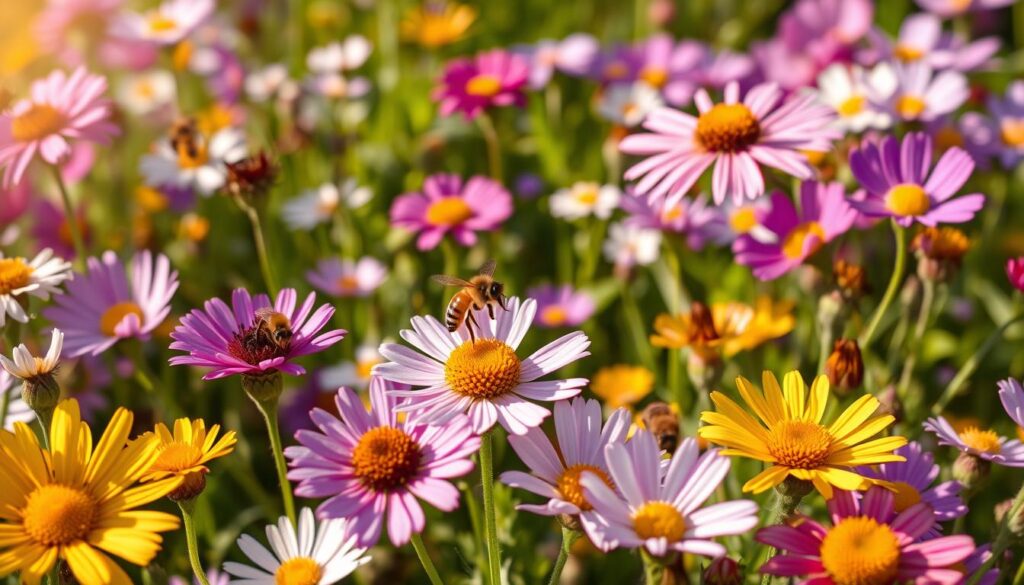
(185, 453)
(724, 329)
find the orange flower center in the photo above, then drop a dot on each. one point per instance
(743, 220)
(14, 274)
(654, 76)
(113, 316)
(386, 458)
(860, 551)
(553, 316)
(570, 488)
(793, 246)
(799, 444)
(1012, 132)
(483, 85)
(659, 520)
(908, 199)
(851, 106)
(177, 457)
(484, 369)
(909, 107)
(40, 121)
(448, 211)
(977, 439)
(727, 128)
(348, 283)
(58, 514)
(908, 53)
(298, 571)
(905, 494)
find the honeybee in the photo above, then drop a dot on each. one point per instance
(273, 327)
(185, 137)
(477, 292)
(663, 424)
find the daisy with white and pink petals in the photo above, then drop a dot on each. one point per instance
(662, 511)
(555, 471)
(485, 378)
(39, 277)
(167, 24)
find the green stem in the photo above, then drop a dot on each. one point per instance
(971, 365)
(428, 565)
(188, 508)
(261, 245)
(569, 536)
(788, 495)
(268, 408)
(490, 513)
(45, 417)
(1018, 578)
(474, 519)
(890, 292)
(493, 145)
(1002, 540)
(923, 317)
(71, 217)
(654, 571)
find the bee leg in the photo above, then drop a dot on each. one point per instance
(490, 310)
(470, 323)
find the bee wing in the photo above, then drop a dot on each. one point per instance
(449, 280)
(488, 268)
(264, 312)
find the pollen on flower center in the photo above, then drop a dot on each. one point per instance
(727, 128)
(908, 199)
(1012, 132)
(793, 246)
(659, 520)
(553, 316)
(448, 211)
(58, 514)
(252, 348)
(860, 551)
(570, 488)
(905, 494)
(38, 122)
(14, 274)
(910, 107)
(113, 316)
(654, 76)
(348, 282)
(984, 441)
(159, 23)
(386, 458)
(799, 444)
(743, 220)
(484, 369)
(587, 195)
(298, 571)
(908, 53)
(483, 85)
(177, 456)
(851, 106)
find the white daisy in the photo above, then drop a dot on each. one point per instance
(313, 207)
(628, 245)
(585, 198)
(145, 93)
(201, 168)
(267, 83)
(167, 24)
(312, 556)
(16, 409)
(855, 94)
(355, 374)
(922, 96)
(25, 366)
(39, 278)
(336, 57)
(628, 104)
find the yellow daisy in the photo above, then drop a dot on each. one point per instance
(188, 449)
(434, 26)
(788, 433)
(622, 385)
(76, 502)
(724, 328)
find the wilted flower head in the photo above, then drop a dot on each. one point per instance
(939, 251)
(845, 366)
(251, 177)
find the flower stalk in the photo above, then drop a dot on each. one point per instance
(490, 513)
(899, 266)
(71, 217)
(188, 508)
(569, 536)
(264, 392)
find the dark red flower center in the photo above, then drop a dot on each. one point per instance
(253, 347)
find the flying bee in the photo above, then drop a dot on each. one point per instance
(273, 327)
(185, 137)
(477, 292)
(663, 424)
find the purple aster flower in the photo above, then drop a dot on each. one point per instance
(973, 563)
(661, 509)
(734, 136)
(369, 466)
(921, 38)
(561, 306)
(345, 278)
(950, 8)
(491, 79)
(447, 205)
(573, 55)
(616, 64)
(824, 215)
(901, 184)
(693, 216)
(555, 471)
(104, 306)
(227, 340)
(1002, 135)
(983, 443)
(485, 377)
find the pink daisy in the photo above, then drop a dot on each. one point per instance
(225, 339)
(447, 205)
(921, 38)
(345, 278)
(979, 442)
(167, 24)
(555, 471)
(734, 136)
(368, 465)
(490, 79)
(921, 95)
(661, 509)
(824, 215)
(60, 108)
(485, 378)
(868, 542)
(561, 306)
(66, 27)
(898, 184)
(104, 305)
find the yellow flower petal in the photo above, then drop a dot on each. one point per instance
(767, 479)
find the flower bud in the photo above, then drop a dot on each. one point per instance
(723, 571)
(971, 471)
(263, 388)
(845, 367)
(831, 313)
(1015, 272)
(939, 252)
(850, 279)
(189, 489)
(41, 393)
(910, 293)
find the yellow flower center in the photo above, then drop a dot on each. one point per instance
(1012, 132)
(113, 316)
(37, 123)
(484, 369)
(672, 213)
(659, 520)
(159, 23)
(908, 53)
(905, 494)
(908, 199)
(793, 246)
(298, 571)
(799, 444)
(483, 85)
(14, 274)
(727, 128)
(654, 76)
(909, 106)
(176, 457)
(984, 441)
(743, 220)
(58, 514)
(851, 106)
(448, 211)
(860, 551)
(386, 458)
(553, 316)
(587, 194)
(961, 5)
(570, 488)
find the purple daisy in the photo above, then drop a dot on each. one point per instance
(490, 79)
(661, 509)
(447, 205)
(345, 278)
(485, 377)
(1002, 135)
(983, 443)
(561, 306)
(901, 184)
(921, 38)
(693, 216)
(734, 136)
(555, 471)
(368, 465)
(824, 215)
(226, 339)
(103, 306)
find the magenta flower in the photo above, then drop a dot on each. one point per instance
(491, 79)
(662, 511)
(59, 108)
(555, 471)
(735, 136)
(824, 215)
(446, 205)
(225, 339)
(485, 378)
(368, 465)
(982, 443)
(695, 217)
(345, 278)
(104, 306)
(561, 306)
(901, 184)
(1015, 272)
(868, 542)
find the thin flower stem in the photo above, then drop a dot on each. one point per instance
(490, 514)
(923, 317)
(188, 508)
(890, 292)
(569, 536)
(5, 405)
(1018, 578)
(428, 565)
(971, 365)
(490, 135)
(45, 417)
(653, 570)
(268, 408)
(261, 245)
(1002, 540)
(71, 217)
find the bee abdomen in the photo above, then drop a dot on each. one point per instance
(456, 311)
